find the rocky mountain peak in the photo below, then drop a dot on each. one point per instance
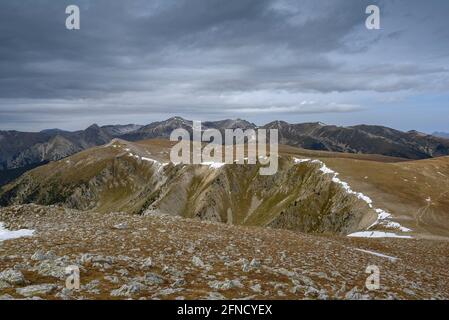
(93, 127)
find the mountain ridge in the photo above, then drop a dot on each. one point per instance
(137, 178)
(313, 191)
(440, 134)
(19, 149)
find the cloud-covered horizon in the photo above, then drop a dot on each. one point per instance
(140, 61)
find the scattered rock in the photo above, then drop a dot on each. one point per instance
(246, 267)
(36, 290)
(40, 255)
(65, 294)
(112, 279)
(256, 288)
(169, 291)
(295, 266)
(179, 283)
(148, 263)
(4, 285)
(173, 272)
(215, 296)
(255, 264)
(121, 226)
(153, 279)
(51, 268)
(314, 293)
(355, 294)
(123, 272)
(13, 277)
(92, 287)
(128, 290)
(225, 285)
(197, 262)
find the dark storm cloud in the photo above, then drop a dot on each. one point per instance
(211, 57)
(118, 40)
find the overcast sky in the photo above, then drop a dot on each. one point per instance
(138, 61)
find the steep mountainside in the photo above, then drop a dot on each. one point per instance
(313, 191)
(118, 130)
(229, 124)
(414, 192)
(163, 129)
(6, 176)
(136, 178)
(361, 139)
(19, 149)
(441, 135)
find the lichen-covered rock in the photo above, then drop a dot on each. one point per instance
(36, 290)
(12, 277)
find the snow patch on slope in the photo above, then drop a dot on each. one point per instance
(213, 165)
(158, 164)
(298, 161)
(392, 259)
(8, 235)
(377, 234)
(383, 217)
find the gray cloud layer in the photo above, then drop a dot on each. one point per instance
(136, 60)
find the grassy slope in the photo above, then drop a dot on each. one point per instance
(401, 187)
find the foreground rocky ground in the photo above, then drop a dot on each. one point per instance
(123, 256)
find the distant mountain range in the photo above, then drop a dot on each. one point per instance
(20, 149)
(441, 134)
(364, 139)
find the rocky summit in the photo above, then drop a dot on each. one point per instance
(166, 257)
